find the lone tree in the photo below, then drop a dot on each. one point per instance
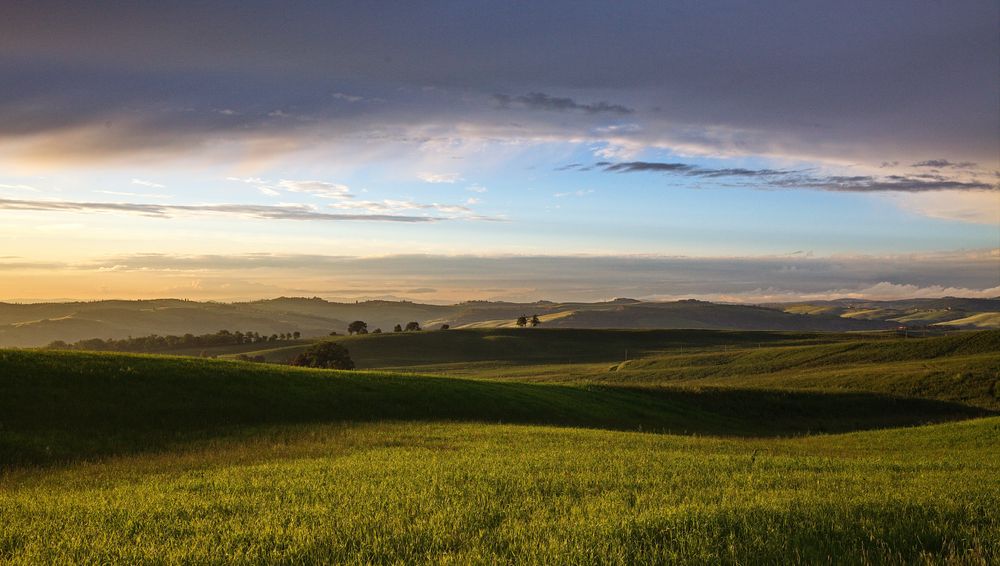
(326, 355)
(534, 320)
(412, 326)
(397, 328)
(377, 331)
(522, 321)
(445, 326)
(357, 327)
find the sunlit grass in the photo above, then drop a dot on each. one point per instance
(407, 492)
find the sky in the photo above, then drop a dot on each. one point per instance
(447, 151)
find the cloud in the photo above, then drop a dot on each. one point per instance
(579, 193)
(979, 207)
(264, 212)
(29, 265)
(634, 166)
(18, 187)
(440, 177)
(318, 188)
(162, 91)
(144, 183)
(347, 201)
(542, 101)
(391, 205)
(347, 97)
(132, 194)
(797, 179)
(476, 189)
(944, 163)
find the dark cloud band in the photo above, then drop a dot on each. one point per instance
(797, 179)
(542, 101)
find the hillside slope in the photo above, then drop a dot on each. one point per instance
(952, 311)
(65, 405)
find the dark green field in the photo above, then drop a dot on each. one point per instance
(486, 446)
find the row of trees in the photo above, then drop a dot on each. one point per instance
(361, 327)
(155, 342)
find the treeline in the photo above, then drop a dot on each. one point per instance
(156, 343)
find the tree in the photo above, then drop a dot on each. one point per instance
(534, 320)
(357, 327)
(296, 335)
(412, 326)
(445, 326)
(397, 328)
(522, 321)
(377, 331)
(326, 355)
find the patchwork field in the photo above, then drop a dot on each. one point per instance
(511, 446)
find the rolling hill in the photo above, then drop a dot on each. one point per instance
(687, 454)
(949, 311)
(61, 405)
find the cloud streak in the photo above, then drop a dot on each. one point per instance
(944, 163)
(260, 212)
(798, 179)
(542, 101)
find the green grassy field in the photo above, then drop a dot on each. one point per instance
(473, 493)
(703, 447)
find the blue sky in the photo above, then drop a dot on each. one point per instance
(854, 137)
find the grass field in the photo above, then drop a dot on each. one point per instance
(707, 448)
(468, 493)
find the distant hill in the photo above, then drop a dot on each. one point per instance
(948, 311)
(39, 324)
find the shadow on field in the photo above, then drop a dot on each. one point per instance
(61, 406)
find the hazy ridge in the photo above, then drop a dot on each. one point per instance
(26, 325)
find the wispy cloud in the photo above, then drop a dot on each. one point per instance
(318, 188)
(18, 187)
(579, 193)
(440, 177)
(133, 194)
(144, 183)
(347, 97)
(944, 163)
(542, 101)
(393, 205)
(800, 179)
(264, 212)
